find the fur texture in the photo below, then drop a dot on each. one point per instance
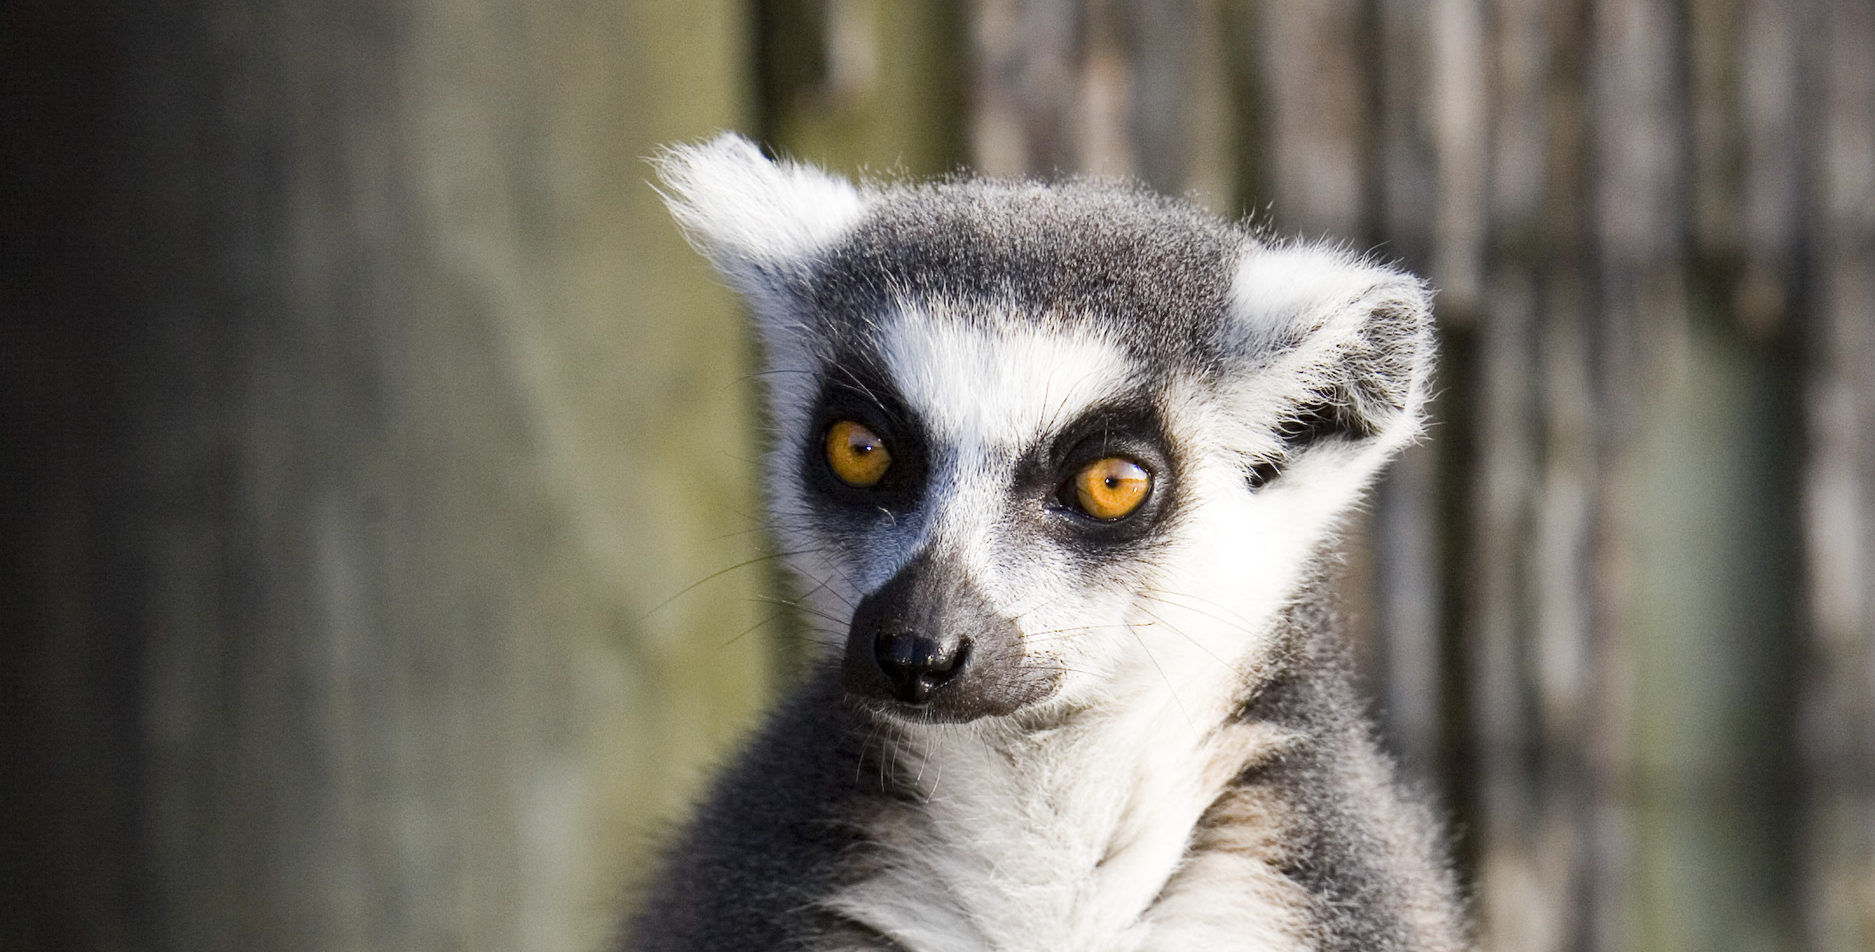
(1139, 732)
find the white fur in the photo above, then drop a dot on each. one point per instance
(1276, 285)
(1312, 305)
(757, 221)
(1062, 840)
(999, 389)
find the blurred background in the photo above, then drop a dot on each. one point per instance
(380, 562)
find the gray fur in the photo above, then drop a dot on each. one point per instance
(1081, 252)
(1298, 369)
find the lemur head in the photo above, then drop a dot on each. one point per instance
(1042, 447)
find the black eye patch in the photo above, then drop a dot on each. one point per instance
(1114, 430)
(1130, 430)
(856, 392)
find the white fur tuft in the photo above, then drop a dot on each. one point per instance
(1283, 291)
(1339, 328)
(757, 221)
(1276, 286)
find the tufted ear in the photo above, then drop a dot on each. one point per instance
(1341, 350)
(761, 223)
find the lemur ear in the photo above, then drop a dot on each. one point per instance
(1350, 342)
(761, 223)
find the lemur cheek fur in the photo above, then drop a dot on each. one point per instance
(1064, 464)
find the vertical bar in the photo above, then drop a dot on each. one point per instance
(1837, 733)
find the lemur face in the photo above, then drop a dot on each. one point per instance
(989, 499)
(1040, 448)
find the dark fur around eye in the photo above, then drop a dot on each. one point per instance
(855, 392)
(1130, 430)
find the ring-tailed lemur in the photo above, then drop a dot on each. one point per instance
(1059, 468)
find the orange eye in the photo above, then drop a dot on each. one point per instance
(858, 456)
(1111, 488)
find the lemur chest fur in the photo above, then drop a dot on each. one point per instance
(1086, 837)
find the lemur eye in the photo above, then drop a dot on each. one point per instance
(857, 455)
(1109, 488)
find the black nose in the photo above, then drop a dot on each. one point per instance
(916, 665)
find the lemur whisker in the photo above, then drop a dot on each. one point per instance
(826, 585)
(744, 633)
(808, 610)
(859, 763)
(1235, 620)
(1201, 646)
(1171, 689)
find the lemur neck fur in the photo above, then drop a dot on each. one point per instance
(1061, 835)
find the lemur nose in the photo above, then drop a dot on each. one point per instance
(917, 665)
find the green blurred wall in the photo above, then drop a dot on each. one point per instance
(406, 412)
